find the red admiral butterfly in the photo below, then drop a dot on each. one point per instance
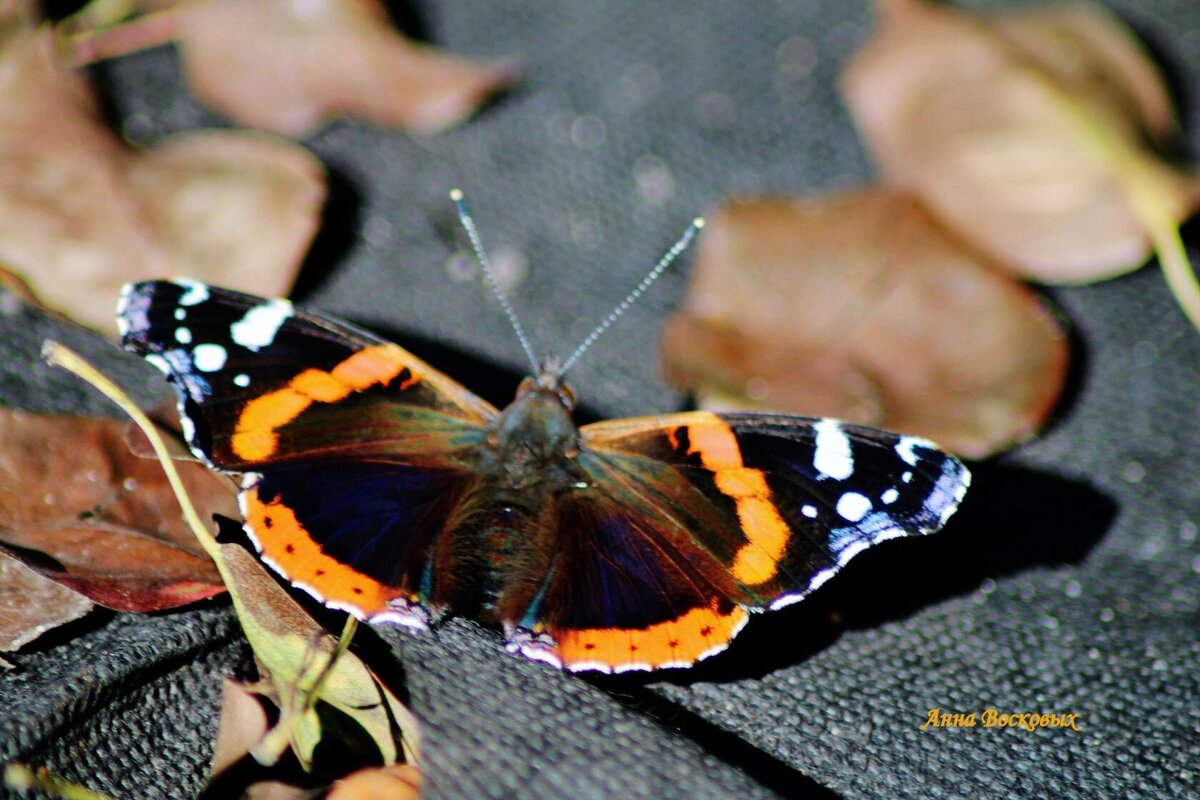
(384, 488)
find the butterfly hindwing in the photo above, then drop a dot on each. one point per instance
(744, 512)
(378, 540)
(629, 584)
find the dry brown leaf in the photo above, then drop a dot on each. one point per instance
(81, 213)
(291, 652)
(71, 489)
(30, 605)
(290, 67)
(242, 725)
(398, 782)
(275, 790)
(1018, 130)
(19, 12)
(166, 422)
(235, 209)
(858, 307)
(283, 637)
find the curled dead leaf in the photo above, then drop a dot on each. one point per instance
(859, 307)
(293, 650)
(290, 67)
(107, 520)
(1025, 132)
(19, 12)
(30, 605)
(242, 725)
(398, 782)
(81, 213)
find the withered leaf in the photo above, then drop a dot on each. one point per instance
(235, 208)
(243, 723)
(107, 520)
(1025, 132)
(292, 650)
(81, 213)
(397, 782)
(19, 12)
(290, 67)
(30, 605)
(276, 790)
(859, 307)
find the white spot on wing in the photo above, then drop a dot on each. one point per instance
(402, 611)
(809, 511)
(536, 653)
(415, 622)
(241, 379)
(814, 583)
(888, 533)
(890, 496)
(187, 428)
(123, 298)
(258, 327)
(832, 456)
(209, 357)
(851, 550)
(904, 448)
(183, 335)
(195, 292)
(122, 306)
(181, 314)
(853, 506)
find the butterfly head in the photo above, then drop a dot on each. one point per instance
(536, 430)
(549, 381)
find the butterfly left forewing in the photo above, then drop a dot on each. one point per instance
(750, 511)
(356, 458)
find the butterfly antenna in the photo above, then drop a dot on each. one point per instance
(468, 224)
(623, 306)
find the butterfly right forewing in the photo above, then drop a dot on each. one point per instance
(356, 458)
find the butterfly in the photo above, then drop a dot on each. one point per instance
(384, 488)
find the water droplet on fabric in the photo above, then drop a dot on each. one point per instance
(588, 132)
(655, 184)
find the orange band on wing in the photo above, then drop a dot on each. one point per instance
(371, 366)
(698, 633)
(255, 437)
(756, 561)
(283, 541)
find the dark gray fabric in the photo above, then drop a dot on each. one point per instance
(1068, 583)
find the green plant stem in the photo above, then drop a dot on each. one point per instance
(21, 778)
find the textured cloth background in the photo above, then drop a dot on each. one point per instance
(1068, 582)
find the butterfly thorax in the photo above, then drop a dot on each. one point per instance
(534, 441)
